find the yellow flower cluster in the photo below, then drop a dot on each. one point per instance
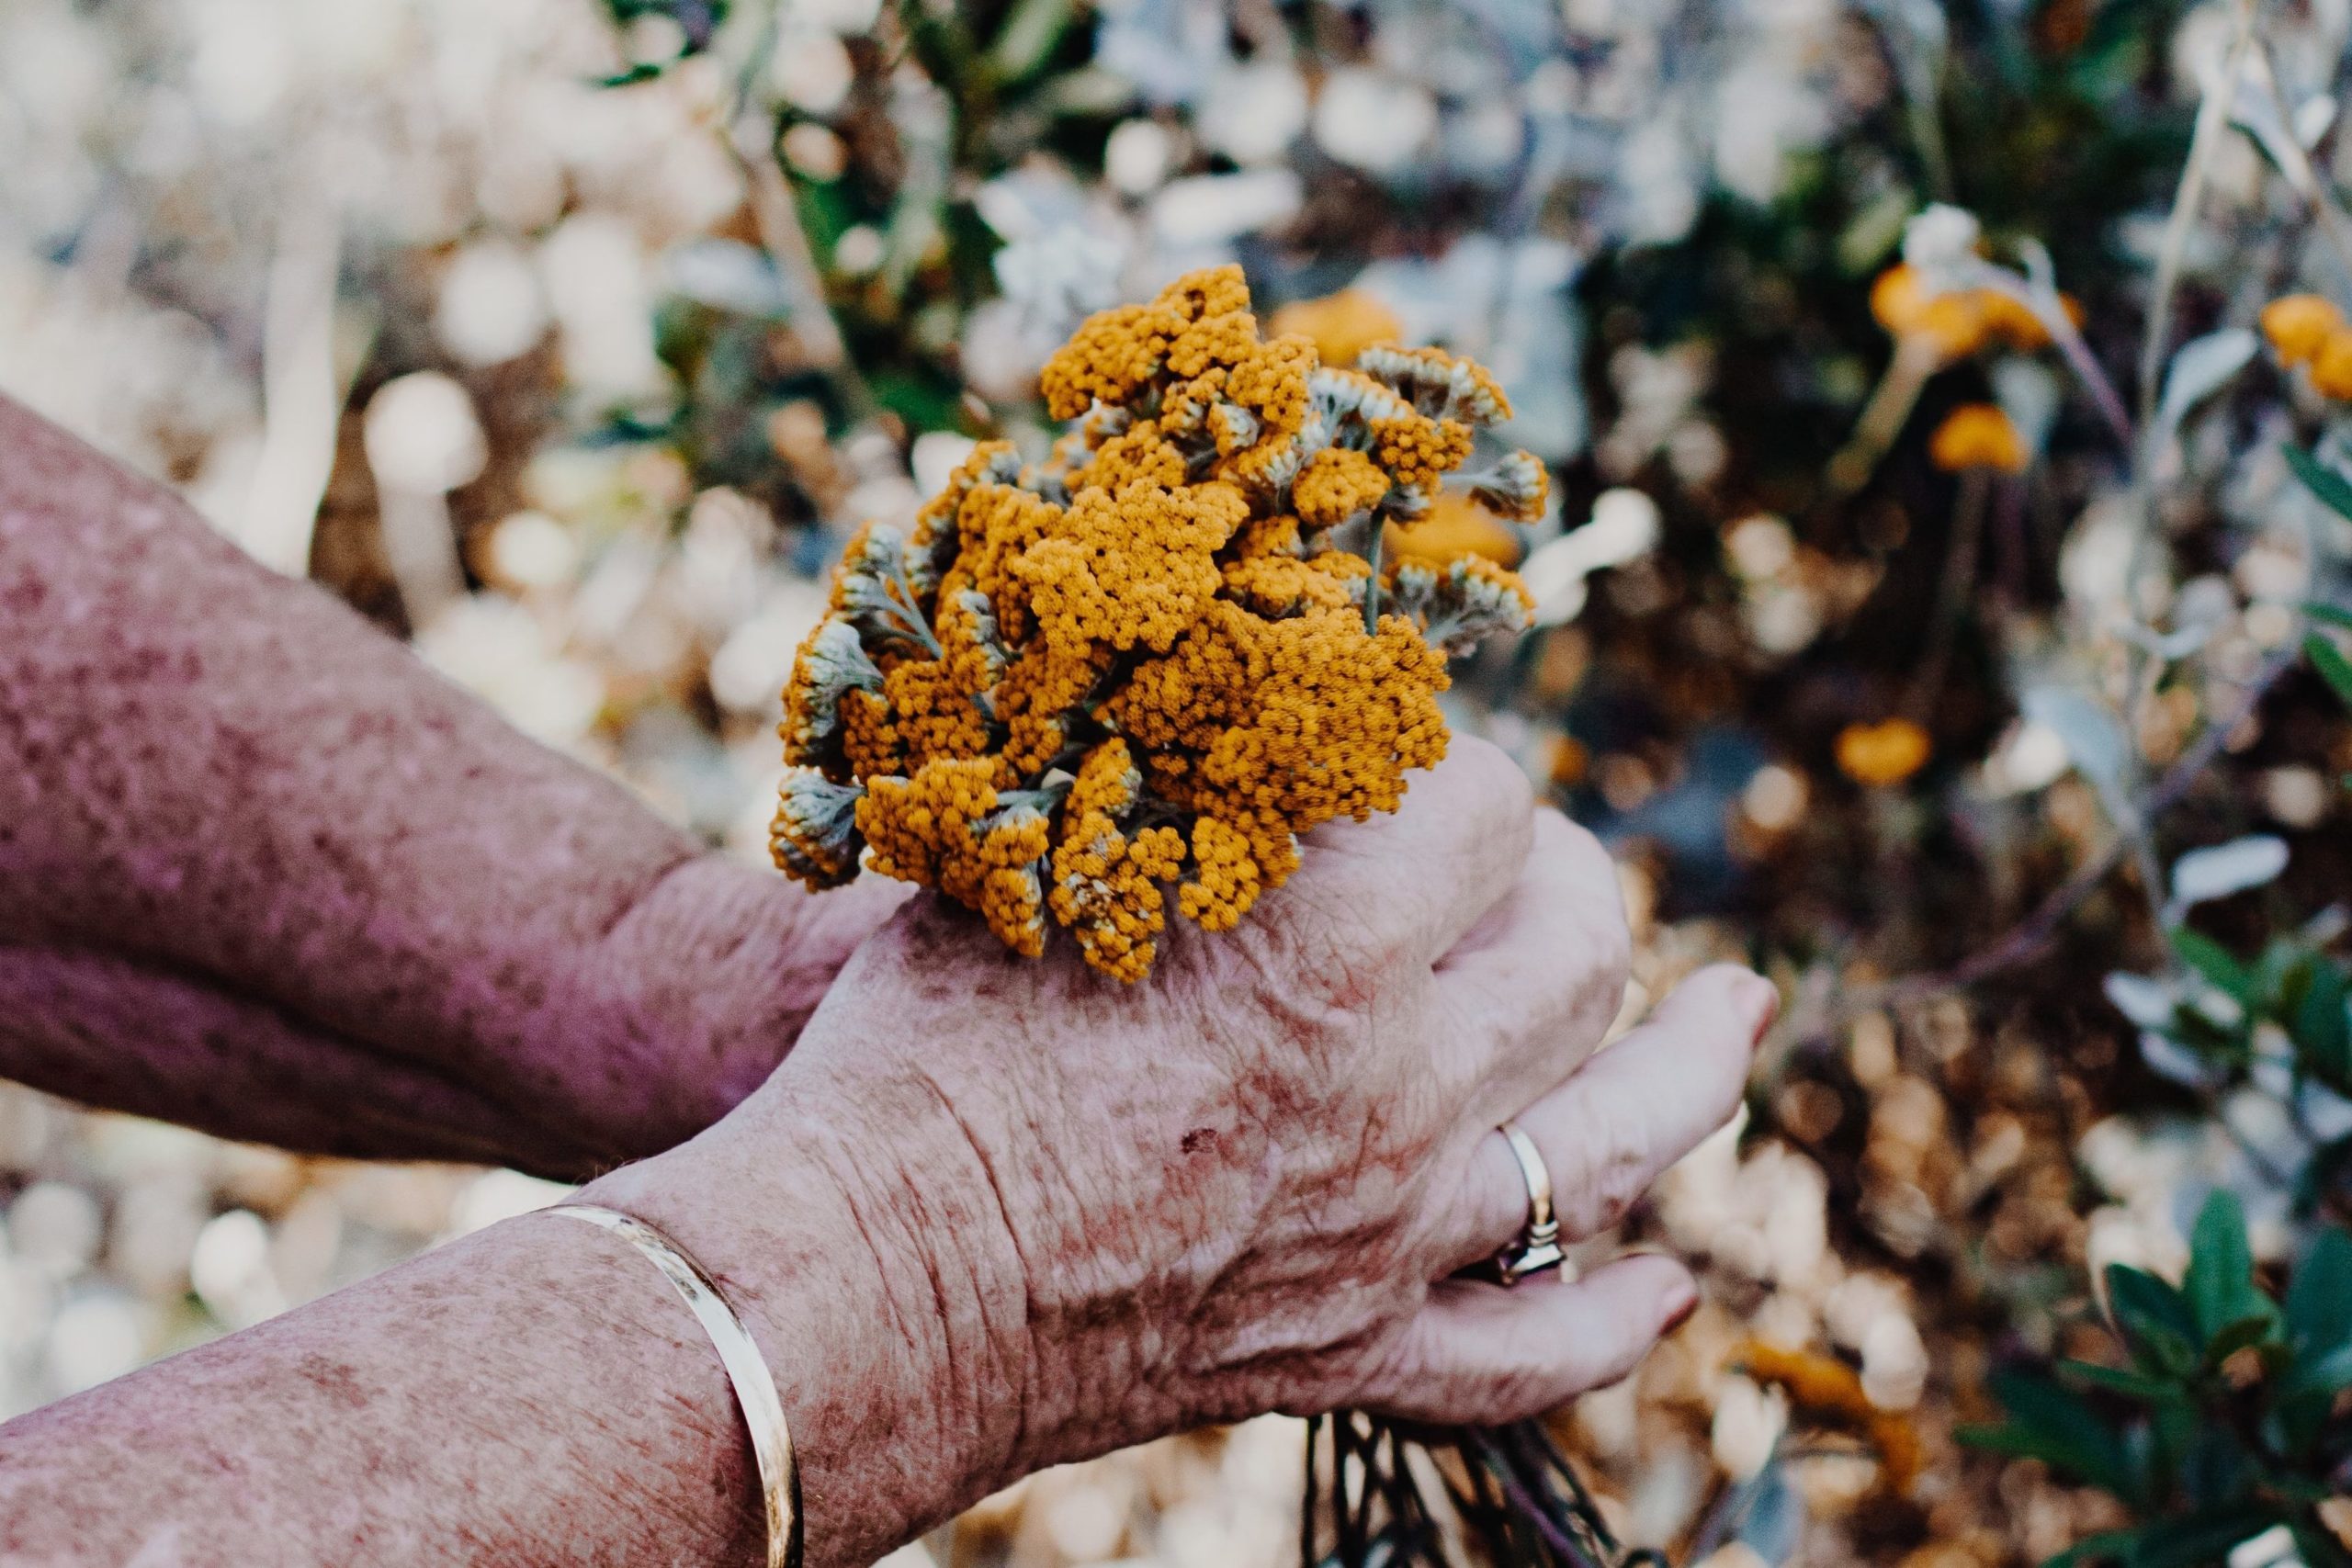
(2308, 329)
(1155, 659)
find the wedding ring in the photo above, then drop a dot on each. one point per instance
(1538, 1247)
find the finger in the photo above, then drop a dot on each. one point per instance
(1448, 855)
(1632, 1111)
(1479, 1355)
(1546, 965)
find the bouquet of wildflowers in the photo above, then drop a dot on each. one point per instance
(1149, 664)
(1152, 660)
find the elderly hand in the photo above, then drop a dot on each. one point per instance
(1079, 1214)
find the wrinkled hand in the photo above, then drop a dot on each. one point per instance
(686, 1005)
(1102, 1212)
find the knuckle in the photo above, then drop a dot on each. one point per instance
(1612, 961)
(1389, 1371)
(1499, 796)
(1613, 1172)
(1589, 993)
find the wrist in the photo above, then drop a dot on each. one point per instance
(690, 1000)
(891, 1311)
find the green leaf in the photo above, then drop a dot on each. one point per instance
(2200, 1539)
(2322, 481)
(2215, 1469)
(2158, 1326)
(2217, 964)
(2119, 1379)
(2329, 1374)
(2107, 1546)
(2329, 614)
(2251, 1329)
(2319, 1298)
(2219, 1282)
(2333, 666)
(2060, 1428)
(642, 71)
(2321, 1026)
(1028, 38)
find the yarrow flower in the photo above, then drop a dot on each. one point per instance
(1883, 754)
(1953, 323)
(2299, 326)
(2310, 331)
(1155, 659)
(1342, 325)
(1977, 435)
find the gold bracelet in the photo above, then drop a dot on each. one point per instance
(746, 1368)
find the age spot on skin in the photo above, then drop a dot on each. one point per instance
(338, 1382)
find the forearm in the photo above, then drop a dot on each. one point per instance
(329, 874)
(534, 1395)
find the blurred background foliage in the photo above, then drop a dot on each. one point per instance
(1965, 665)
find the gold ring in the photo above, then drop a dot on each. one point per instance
(1538, 1247)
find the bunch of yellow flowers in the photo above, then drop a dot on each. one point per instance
(1156, 658)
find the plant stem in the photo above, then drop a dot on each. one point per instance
(1890, 402)
(1954, 590)
(2213, 118)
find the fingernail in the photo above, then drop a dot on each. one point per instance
(1759, 1000)
(1680, 1302)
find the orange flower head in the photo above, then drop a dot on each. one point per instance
(1977, 435)
(1337, 484)
(2299, 326)
(1340, 325)
(1883, 754)
(1457, 525)
(1954, 322)
(2332, 366)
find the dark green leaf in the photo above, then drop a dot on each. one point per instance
(2219, 1282)
(2058, 1428)
(2215, 1470)
(2329, 614)
(2217, 964)
(2322, 481)
(2118, 1380)
(2107, 1546)
(2331, 664)
(2158, 1326)
(2327, 1374)
(2321, 1027)
(2251, 1329)
(2319, 1298)
(2200, 1541)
